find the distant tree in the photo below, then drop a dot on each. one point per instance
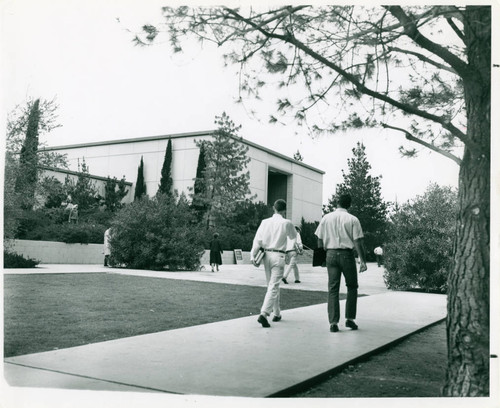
(140, 186)
(17, 126)
(28, 159)
(297, 156)
(84, 192)
(166, 181)
(114, 192)
(367, 203)
(198, 202)
(224, 181)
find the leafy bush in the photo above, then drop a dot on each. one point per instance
(157, 234)
(237, 229)
(418, 253)
(12, 260)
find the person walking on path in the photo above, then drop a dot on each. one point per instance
(379, 253)
(107, 247)
(272, 236)
(294, 248)
(339, 233)
(215, 253)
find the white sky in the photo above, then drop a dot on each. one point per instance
(107, 88)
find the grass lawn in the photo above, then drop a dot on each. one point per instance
(49, 312)
(416, 367)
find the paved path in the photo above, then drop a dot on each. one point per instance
(234, 357)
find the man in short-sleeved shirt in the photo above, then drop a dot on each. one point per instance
(339, 233)
(272, 236)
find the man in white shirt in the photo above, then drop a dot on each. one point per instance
(379, 252)
(339, 232)
(272, 236)
(293, 248)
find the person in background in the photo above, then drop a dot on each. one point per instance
(272, 236)
(73, 214)
(294, 248)
(379, 253)
(339, 233)
(215, 253)
(107, 247)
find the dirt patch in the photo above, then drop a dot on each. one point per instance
(413, 368)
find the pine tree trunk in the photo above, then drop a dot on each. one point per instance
(469, 281)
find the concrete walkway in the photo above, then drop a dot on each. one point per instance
(234, 357)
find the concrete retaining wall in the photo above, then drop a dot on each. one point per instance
(48, 252)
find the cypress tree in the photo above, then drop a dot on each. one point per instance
(166, 181)
(28, 159)
(140, 185)
(199, 184)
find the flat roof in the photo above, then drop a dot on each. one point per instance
(181, 135)
(75, 173)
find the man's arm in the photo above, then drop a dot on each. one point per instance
(360, 249)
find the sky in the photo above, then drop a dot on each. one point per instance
(80, 54)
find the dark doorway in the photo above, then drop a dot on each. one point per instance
(276, 186)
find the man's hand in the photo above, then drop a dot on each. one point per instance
(362, 266)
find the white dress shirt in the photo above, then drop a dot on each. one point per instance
(273, 233)
(339, 230)
(294, 244)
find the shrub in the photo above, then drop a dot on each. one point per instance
(12, 260)
(418, 252)
(157, 234)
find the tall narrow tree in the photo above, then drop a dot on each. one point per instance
(140, 185)
(367, 203)
(225, 179)
(166, 181)
(198, 202)
(28, 159)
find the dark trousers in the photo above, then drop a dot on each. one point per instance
(340, 262)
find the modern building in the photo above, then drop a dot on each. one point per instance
(272, 175)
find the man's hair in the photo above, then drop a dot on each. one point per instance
(345, 201)
(280, 205)
(216, 235)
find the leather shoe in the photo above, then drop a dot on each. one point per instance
(297, 281)
(263, 321)
(284, 280)
(276, 318)
(334, 328)
(351, 324)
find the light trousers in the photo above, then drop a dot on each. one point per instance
(274, 265)
(291, 259)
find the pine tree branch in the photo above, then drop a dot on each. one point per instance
(412, 138)
(289, 38)
(459, 33)
(411, 30)
(423, 58)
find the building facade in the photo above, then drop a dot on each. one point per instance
(272, 175)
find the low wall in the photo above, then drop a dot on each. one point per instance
(58, 252)
(48, 252)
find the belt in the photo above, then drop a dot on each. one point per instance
(339, 249)
(275, 250)
(291, 250)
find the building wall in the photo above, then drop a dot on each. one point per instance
(122, 158)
